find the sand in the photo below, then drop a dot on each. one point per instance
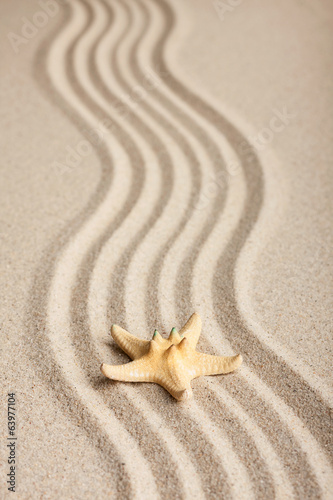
(160, 158)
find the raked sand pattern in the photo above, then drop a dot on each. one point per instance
(179, 207)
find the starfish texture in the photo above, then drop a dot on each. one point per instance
(171, 363)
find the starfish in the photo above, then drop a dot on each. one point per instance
(171, 363)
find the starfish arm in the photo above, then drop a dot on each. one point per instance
(214, 365)
(179, 391)
(175, 378)
(134, 347)
(192, 329)
(134, 371)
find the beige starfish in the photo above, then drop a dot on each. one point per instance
(171, 363)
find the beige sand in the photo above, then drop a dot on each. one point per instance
(170, 210)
